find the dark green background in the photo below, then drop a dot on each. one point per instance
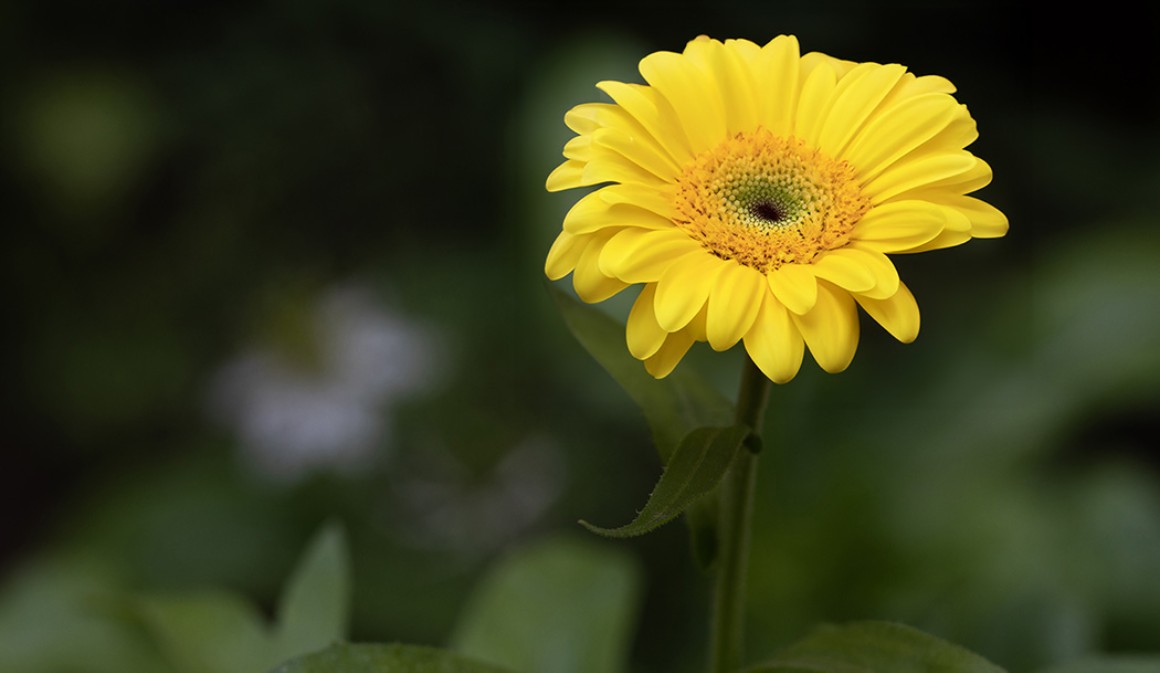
(185, 180)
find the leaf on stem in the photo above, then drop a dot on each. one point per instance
(875, 647)
(694, 469)
(673, 406)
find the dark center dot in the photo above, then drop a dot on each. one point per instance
(768, 211)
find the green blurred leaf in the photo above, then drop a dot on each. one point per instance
(673, 406)
(221, 633)
(561, 606)
(315, 604)
(384, 659)
(208, 633)
(695, 469)
(55, 616)
(875, 647)
(1109, 665)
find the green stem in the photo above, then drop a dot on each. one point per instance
(727, 642)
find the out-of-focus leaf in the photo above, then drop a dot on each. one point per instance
(208, 633)
(220, 633)
(695, 469)
(561, 606)
(54, 616)
(384, 659)
(673, 406)
(315, 605)
(1109, 665)
(875, 647)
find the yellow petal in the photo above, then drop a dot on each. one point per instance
(643, 335)
(893, 134)
(956, 231)
(795, 286)
(885, 274)
(733, 304)
(845, 268)
(854, 100)
(638, 151)
(927, 84)
(815, 58)
(612, 167)
(911, 87)
(579, 148)
(612, 127)
(977, 177)
(986, 220)
(962, 131)
(897, 314)
(899, 225)
(641, 256)
(925, 172)
(723, 70)
(591, 285)
(567, 175)
(587, 215)
(816, 93)
(692, 94)
(738, 85)
(684, 288)
(564, 254)
(658, 200)
(696, 327)
(669, 354)
(585, 118)
(774, 343)
(593, 212)
(945, 239)
(619, 247)
(654, 114)
(830, 329)
(779, 83)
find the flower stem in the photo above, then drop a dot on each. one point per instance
(727, 641)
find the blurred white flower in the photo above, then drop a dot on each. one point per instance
(443, 504)
(334, 412)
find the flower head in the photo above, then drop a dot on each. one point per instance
(755, 193)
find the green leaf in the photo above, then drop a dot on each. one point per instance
(215, 632)
(384, 659)
(561, 606)
(673, 406)
(696, 467)
(875, 647)
(315, 604)
(65, 613)
(1119, 664)
(207, 633)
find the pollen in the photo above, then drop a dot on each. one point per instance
(765, 200)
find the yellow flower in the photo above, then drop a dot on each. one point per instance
(755, 193)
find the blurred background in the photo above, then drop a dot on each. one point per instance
(271, 264)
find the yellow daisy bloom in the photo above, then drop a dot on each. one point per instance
(755, 193)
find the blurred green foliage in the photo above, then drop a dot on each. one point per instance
(70, 620)
(560, 606)
(183, 183)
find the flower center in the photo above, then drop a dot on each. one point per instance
(764, 201)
